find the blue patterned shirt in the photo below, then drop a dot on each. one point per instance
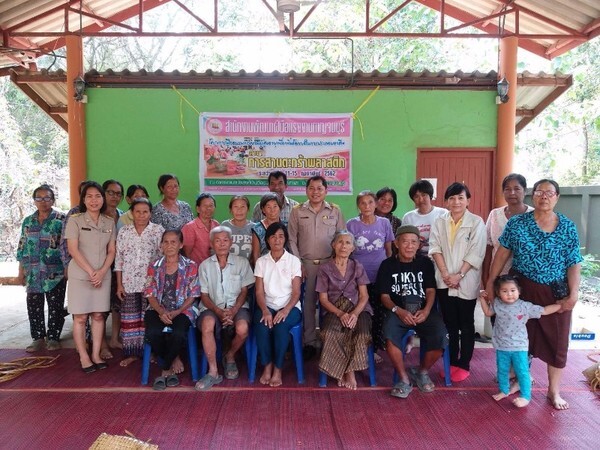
(540, 256)
(39, 251)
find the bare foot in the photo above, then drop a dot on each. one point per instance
(514, 387)
(267, 374)
(520, 402)
(105, 353)
(499, 396)
(558, 402)
(177, 366)
(409, 345)
(341, 383)
(125, 362)
(276, 378)
(350, 381)
(115, 344)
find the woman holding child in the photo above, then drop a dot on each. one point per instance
(545, 249)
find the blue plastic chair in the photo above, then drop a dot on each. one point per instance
(296, 333)
(192, 346)
(247, 346)
(445, 359)
(370, 357)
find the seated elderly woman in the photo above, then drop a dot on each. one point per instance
(224, 281)
(346, 327)
(171, 287)
(278, 309)
(407, 286)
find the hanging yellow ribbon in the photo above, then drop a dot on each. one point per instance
(355, 116)
(181, 100)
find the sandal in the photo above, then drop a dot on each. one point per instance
(172, 380)
(231, 369)
(208, 381)
(421, 379)
(401, 389)
(160, 384)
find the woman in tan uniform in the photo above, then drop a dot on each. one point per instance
(91, 242)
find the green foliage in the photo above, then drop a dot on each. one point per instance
(590, 266)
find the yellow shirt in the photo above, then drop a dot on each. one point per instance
(453, 229)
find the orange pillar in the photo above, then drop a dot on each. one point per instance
(507, 113)
(76, 113)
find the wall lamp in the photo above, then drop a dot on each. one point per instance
(502, 87)
(79, 84)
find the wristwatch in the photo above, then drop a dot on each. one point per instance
(394, 309)
(462, 275)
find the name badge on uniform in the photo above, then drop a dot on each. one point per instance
(85, 229)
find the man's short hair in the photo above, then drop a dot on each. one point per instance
(317, 178)
(277, 174)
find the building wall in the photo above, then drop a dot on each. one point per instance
(134, 135)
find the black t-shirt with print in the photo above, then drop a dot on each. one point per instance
(406, 283)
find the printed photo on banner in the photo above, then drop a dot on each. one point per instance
(239, 150)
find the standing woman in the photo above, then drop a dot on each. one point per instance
(514, 186)
(387, 202)
(346, 329)
(546, 257)
(457, 246)
(170, 212)
(278, 275)
(138, 245)
(241, 227)
(41, 270)
(133, 191)
(373, 239)
(270, 206)
(91, 243)
(196, 239)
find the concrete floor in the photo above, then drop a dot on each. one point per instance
(14, 325)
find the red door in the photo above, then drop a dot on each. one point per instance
(471, 166)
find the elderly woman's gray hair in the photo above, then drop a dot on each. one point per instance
(341, 233)
(219, 229)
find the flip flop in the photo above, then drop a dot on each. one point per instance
(231, 370)
(422, 380)
(160, 384)
(208, 381)
(172, 380)
(401, 389)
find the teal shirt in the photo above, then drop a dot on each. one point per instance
(39, 251)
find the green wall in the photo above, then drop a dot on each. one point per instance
(134, 135)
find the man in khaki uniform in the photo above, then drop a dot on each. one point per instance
(311, 228)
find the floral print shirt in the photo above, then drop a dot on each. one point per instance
(187, 282)
(170, 221)
(39, 251)
(135, 252)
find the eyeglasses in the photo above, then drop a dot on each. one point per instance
(114, 193)
(43, 199)
(548, 194)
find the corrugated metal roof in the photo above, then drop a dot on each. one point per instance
(534, 91)
(546, 27)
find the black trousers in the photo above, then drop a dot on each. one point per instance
(166, 346)
(56, 312)
(459, 317)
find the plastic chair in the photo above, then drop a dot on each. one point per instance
(296, 333)
(247, 347)
(370, 357)
(445, 358)
(192, 346)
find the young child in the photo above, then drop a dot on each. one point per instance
(510, 335)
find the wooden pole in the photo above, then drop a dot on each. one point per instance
(76, 114)
(507, 113)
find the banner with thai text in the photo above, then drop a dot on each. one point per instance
(239, 150)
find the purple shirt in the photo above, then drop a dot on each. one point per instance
(331, 281)
(370, 243)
